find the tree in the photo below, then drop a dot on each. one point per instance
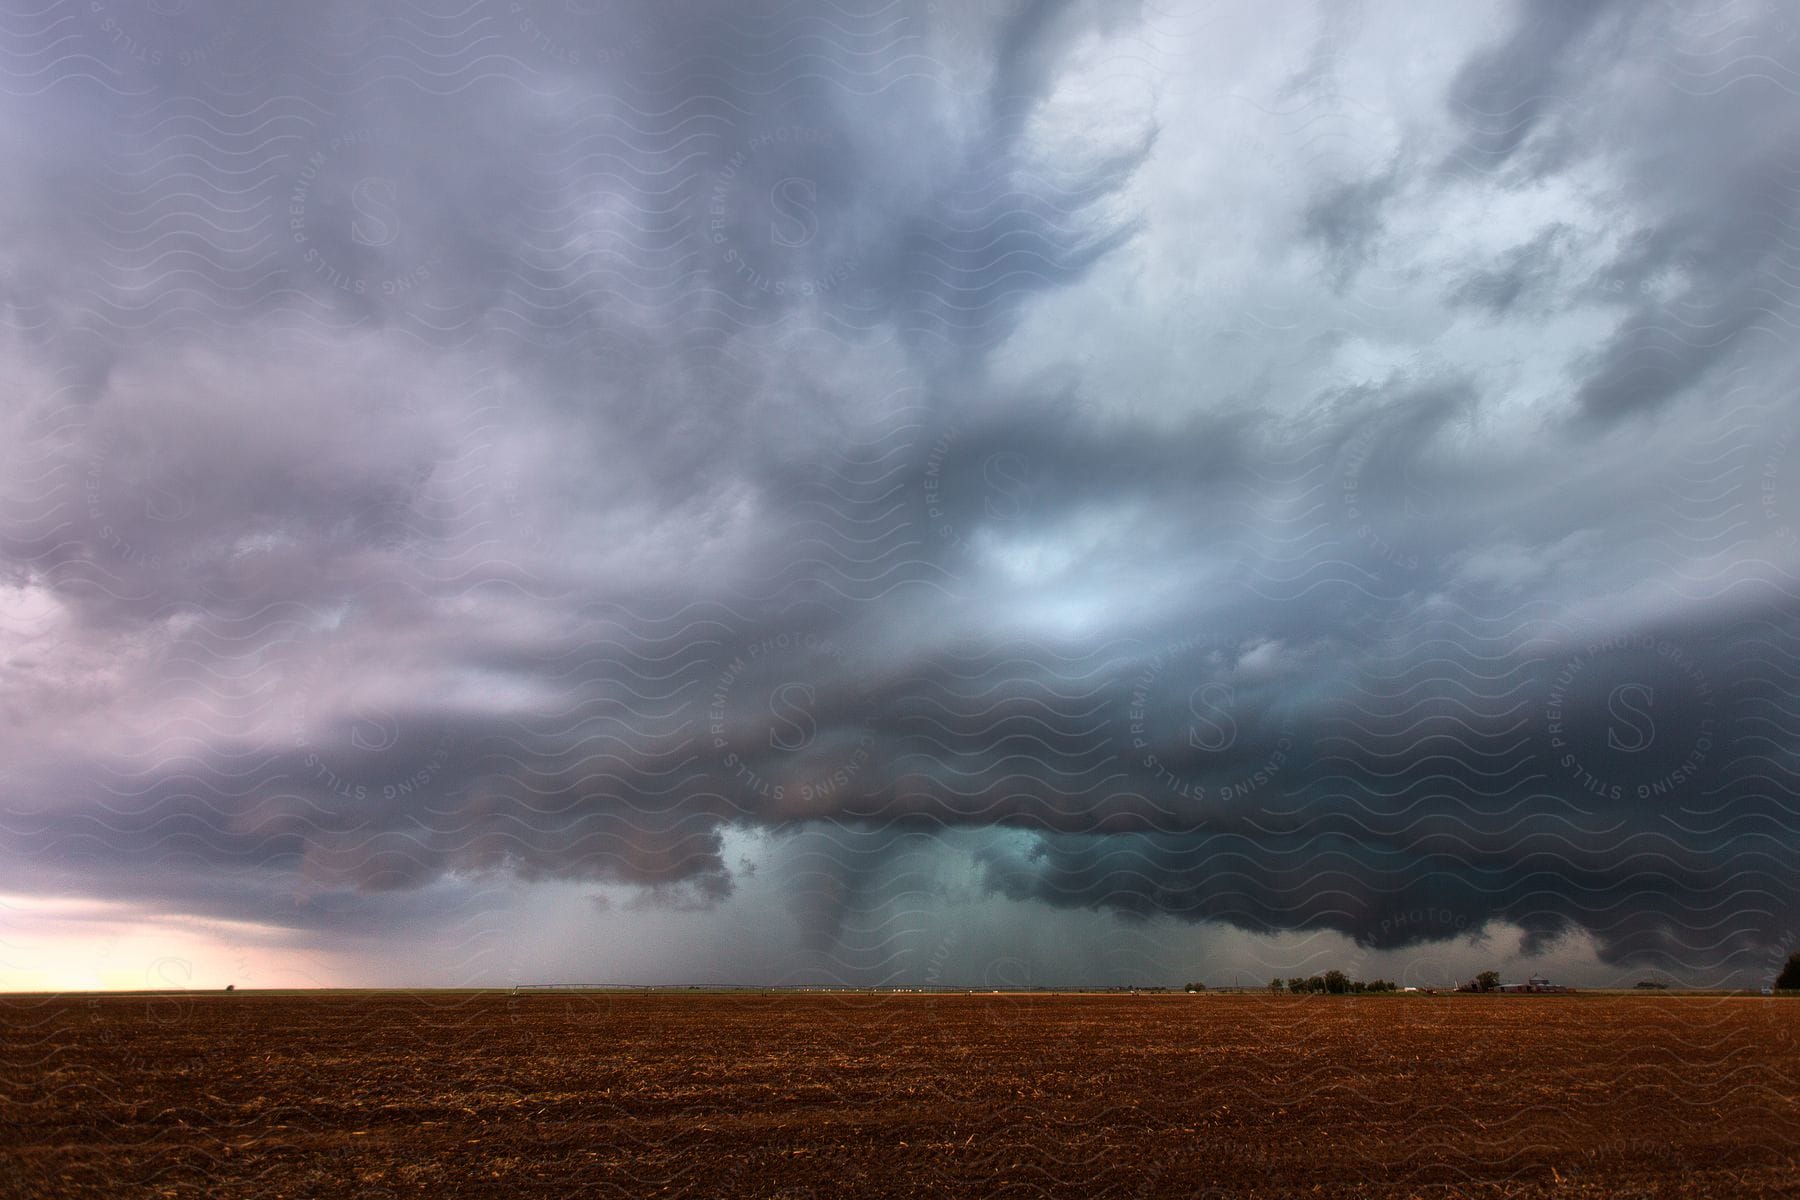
(1296, 985)
(1196, 987)
(1789, 979)
(1275, 985)
(1336, 982)
(1487, 981)
(1315, 983)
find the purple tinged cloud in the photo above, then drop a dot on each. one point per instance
(1288, 476)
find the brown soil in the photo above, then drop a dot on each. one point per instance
(488, 1094)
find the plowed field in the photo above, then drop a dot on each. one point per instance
(569, 1094)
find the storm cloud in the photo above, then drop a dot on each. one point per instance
(1327, 473)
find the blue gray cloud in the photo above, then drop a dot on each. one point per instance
(1174, 465)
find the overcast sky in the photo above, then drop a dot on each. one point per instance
(889, 491)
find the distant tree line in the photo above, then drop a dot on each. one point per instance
(1331, 983)
(1336, 983)
(1789, 979)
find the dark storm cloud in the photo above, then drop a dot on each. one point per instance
(1346, 219)
(1507, 93)
(1613, 784)
(1521, 276)
(1704, 215)
(520, 442)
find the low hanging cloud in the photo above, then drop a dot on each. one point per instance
(1278, 476)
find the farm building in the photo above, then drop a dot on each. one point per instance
(1535, 983)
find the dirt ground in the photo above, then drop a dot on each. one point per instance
(491, 1094)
